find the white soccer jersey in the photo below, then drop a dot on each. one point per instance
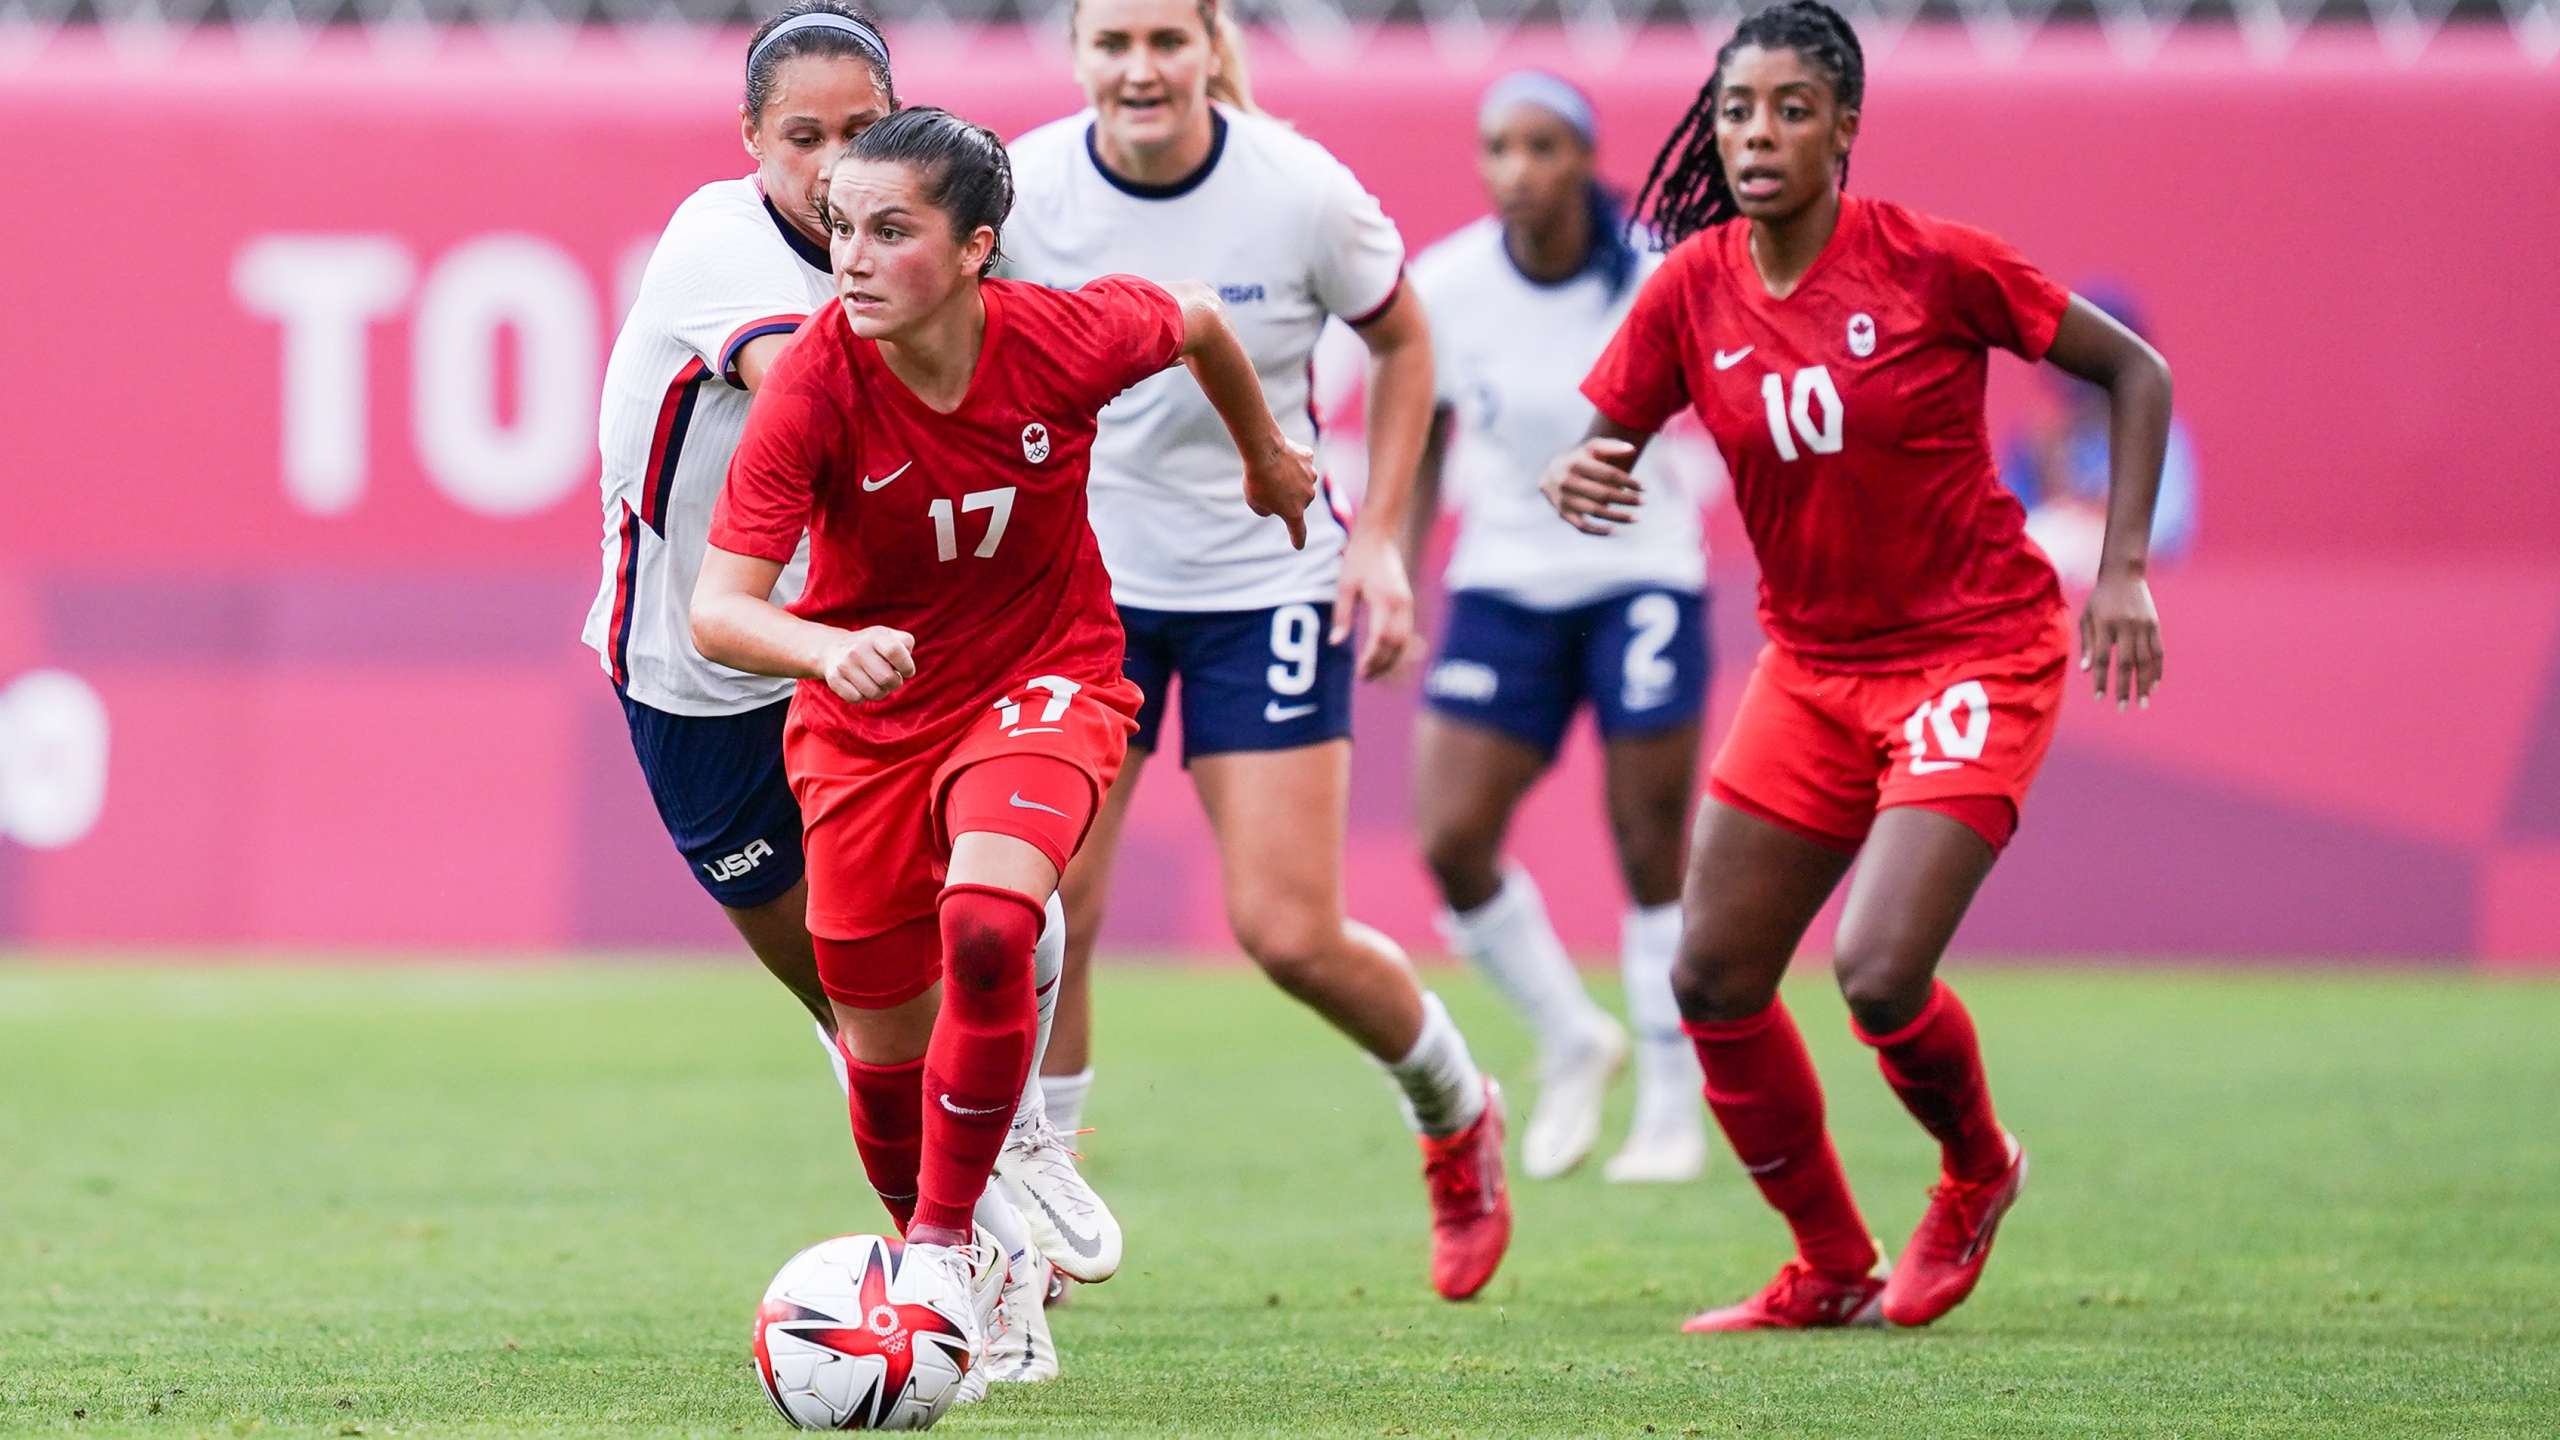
(728, 269)
(1510, 354)
(1288, 237)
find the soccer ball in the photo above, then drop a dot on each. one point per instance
(857, 1333)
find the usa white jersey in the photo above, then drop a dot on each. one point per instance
(1288, 237)
(727, 270)
(1510, 354)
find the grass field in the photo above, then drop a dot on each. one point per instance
(476, 1202)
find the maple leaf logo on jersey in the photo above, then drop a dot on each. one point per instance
(1862, 334)
(1035, 442)
(888, 1332)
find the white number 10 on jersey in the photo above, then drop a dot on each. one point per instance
(1794, 412)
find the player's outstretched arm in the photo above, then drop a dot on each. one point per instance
(1279, 473)
(736, 623)
(1593, 485)
(2119, 628)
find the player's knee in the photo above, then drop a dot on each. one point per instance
(1885, 987)
(1713, 981)
(1294, 947)
(987, 940)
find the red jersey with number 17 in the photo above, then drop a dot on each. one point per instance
(966, 530)
(1850, 415)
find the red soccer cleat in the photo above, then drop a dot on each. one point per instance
(1470, 1207)
(1801, 1298)
(1954, 1239)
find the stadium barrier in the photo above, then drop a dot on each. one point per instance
(301, 513)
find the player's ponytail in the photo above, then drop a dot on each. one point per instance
(1686, 189)
(1232, 84)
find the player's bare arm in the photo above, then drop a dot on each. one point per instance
(1593, 485)
(1279, 474)
(756, 357)
(736, 623)
(2119, 628)
(1400, 409)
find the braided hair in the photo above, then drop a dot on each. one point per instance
(1686, 188)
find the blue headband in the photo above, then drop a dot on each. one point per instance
(1550, 93)
(865, 38)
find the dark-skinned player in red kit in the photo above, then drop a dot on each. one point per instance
(1836, 347)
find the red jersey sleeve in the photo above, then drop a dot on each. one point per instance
(773, 475)
(1995, 296)
(1639, 381)
(1124, 329)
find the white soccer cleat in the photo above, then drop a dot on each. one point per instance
(1027, 1354)
(1573, 1083)
(980, 1269)
(1659, 1151)
(1071, 1226)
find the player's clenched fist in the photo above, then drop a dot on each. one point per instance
(871, 663)
(1281, 480)
(1590, 486)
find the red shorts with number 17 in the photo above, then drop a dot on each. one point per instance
(872, 820)
(1820, 752)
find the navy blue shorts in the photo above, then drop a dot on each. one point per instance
(720, 789)
(1250, 679)
(1640, 658)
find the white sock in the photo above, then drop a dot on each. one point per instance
(1064, 1095)
(1003, 1222)
(1048, 962)
(1510, 939)
(1666, 1065)
(835, 1059)
(1443, 1092)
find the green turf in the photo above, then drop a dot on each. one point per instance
(462, 1202)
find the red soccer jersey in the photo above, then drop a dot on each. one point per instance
(1850, 415)
(966, 530)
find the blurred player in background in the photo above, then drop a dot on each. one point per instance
(960, 708)
(1836, 348)
(2056, 463)
(741, 262)
(1542, 622)
(1172, 172)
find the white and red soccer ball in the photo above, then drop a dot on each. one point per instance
(856, 1333)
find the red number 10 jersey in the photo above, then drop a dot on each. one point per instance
(1850, 414)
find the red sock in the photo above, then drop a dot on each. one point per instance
(1761, 1086)
(887, 1102)
(981, 1051)
(1935, 1065)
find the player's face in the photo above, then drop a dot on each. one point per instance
(1145, 65)
(819, 103)
(1780, 131)
(1535, 168)
(896, 258)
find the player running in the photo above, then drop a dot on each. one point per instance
(741, 262)
(1541, 622)
(1835, 347)
(960, 708)
(1171, 172)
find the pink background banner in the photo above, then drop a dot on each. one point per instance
(301, 517)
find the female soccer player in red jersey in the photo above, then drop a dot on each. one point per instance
(961, 708)
(1835, 346)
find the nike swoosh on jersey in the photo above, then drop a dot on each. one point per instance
(1725, 360)
(1018, 803)
(965, 1110)
(886, 480)
(1275, 713)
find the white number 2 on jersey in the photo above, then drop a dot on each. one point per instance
(946, 531)
(1793, 412)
